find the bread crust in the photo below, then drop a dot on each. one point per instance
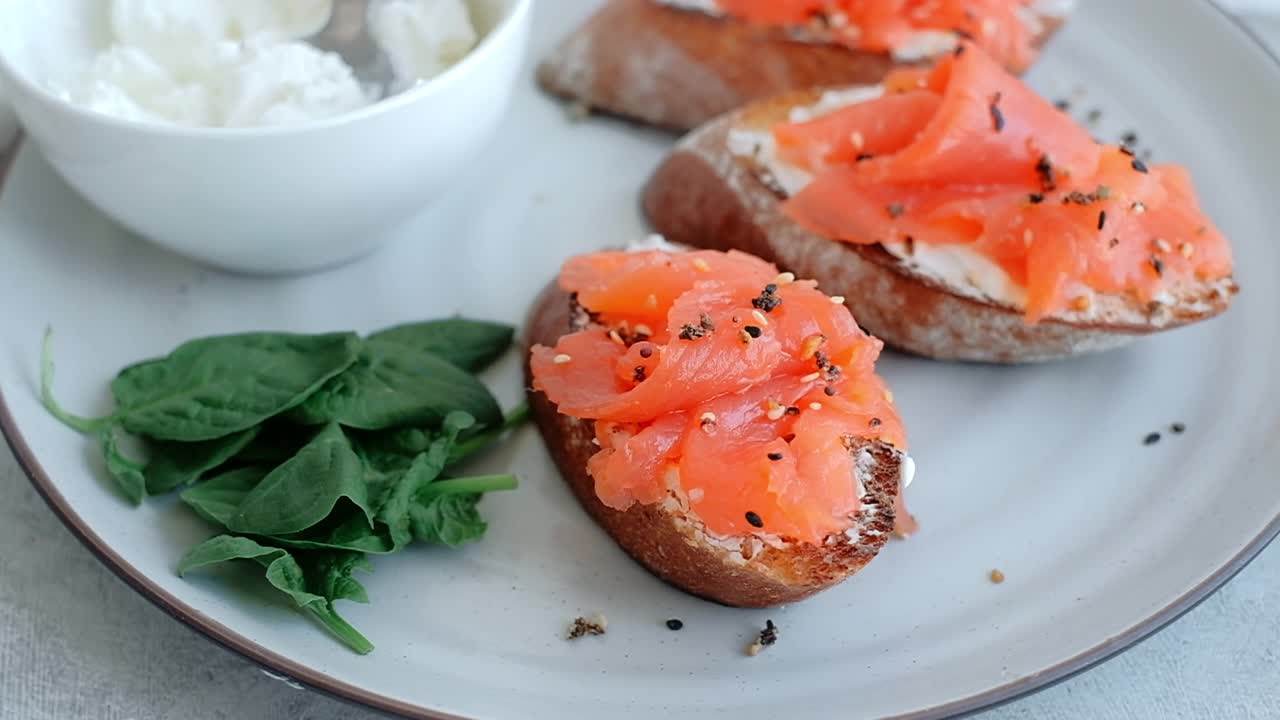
(704, 196)
(678, 68)
(669, 540)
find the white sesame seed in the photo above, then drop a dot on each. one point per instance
(1163, 245)
(643, 330)
(1139, 208)
(837, 299)
(776, 411)
(1028, 237)
(786, 278)
(810, 377)
(815, 406)
(696, 495)
(616, 338)
(1186, 249)
(760, 318)
(701, 265)
(595, 441)
(858, 141)
(561, 359)
(888, 395)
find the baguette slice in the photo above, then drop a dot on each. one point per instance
(678, 68)
(705, 196)
(672, 543)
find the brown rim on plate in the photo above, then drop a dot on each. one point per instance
(329, 685)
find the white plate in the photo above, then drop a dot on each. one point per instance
(1038, 471)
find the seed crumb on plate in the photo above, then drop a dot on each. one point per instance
(582, 627)
(997, 576)
(767, 637)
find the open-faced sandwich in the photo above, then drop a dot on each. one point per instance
(679, 63)
(961, 215)
(721, 421)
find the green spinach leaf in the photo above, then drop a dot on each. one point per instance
(472, 345)
(305, 489)
(218, 498)
(392, 385)
(127, 473)
(424, 470)
(285, 574)
(329, 575)
(176, 464)
(488, 436)
(217, 386)
(447, 520)
(71, 420)
(277, 440)
(351, 534)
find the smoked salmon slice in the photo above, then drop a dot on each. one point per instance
(712, 377)
(966, 154)
(1004, 28)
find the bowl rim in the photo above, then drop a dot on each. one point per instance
(514, 20)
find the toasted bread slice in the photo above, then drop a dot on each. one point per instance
(677, 68)
(706, 196)
(671, 542)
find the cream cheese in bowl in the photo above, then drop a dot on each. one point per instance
(243, 63)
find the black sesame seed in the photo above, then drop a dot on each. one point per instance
(1178, 428)
(1102, 219)
(1126, 150)
(793, 410)
(1063, 105)
(768, 300)
(1158, 265)
(675, 624)
(862, 157)
(646, 352)
(1151, 439)
(830, 391)
(775, 456)
(895, 210)
(1129, 138)
(1094, 115)
(1139, 166)
(997, 117)
(754, 520)
(1036, 198)
(753, 331)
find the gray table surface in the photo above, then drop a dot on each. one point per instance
(76, 642)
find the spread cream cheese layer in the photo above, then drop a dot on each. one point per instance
(956, 267)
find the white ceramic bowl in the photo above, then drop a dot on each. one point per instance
(272, 200)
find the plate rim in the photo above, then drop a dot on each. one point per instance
(276, 664)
